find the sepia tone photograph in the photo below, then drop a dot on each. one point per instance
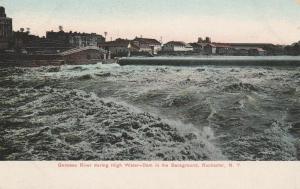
(139, 80)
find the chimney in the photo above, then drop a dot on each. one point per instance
(2, 12)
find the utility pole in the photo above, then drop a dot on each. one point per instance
(105, 34)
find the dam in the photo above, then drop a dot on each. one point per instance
(214, 61)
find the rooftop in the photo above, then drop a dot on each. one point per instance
(177, 43)
(260, 45)
(147, 41)
(71, 33)
(119, 43)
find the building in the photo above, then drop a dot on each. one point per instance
(26, 43)
(120, 47)
(75, 39)
(21, 39)
(241, 51)
(59, 36)
(210, 49)
(250, 45)
(85, 39)
(55, 42)
(45, 46)
(257, 52)
(5, 30)
(252, 49)
(148, 45)
(293, 49)
(238, 49)
(177, 46)
(223, 49)
(197, 47)
(203, 46)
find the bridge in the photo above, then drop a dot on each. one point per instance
(77, 50)
(84, 55)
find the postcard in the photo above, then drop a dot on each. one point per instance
(149, 94)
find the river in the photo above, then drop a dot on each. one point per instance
(112, 112)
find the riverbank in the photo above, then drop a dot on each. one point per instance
(76, 56)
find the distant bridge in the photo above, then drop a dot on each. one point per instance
(84, 55)
(81, 49)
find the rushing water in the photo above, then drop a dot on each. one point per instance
(109, 112)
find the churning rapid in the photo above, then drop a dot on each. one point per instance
(112, 112)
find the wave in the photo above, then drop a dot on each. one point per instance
(272, 144)
(238, 87)
(112, 112)
(64, 124)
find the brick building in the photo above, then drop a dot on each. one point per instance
(147, 45)
(5, 30)
(177, 46)
(120, 47)
(75, 39)
(21, 39)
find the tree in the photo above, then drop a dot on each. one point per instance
(293, 49)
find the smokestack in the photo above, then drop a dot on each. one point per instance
(2, 12)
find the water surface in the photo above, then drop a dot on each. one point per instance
(112, 112)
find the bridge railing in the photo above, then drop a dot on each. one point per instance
(75, 50)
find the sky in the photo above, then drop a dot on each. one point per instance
(272, 21)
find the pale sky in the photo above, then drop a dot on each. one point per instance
(275, 21)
